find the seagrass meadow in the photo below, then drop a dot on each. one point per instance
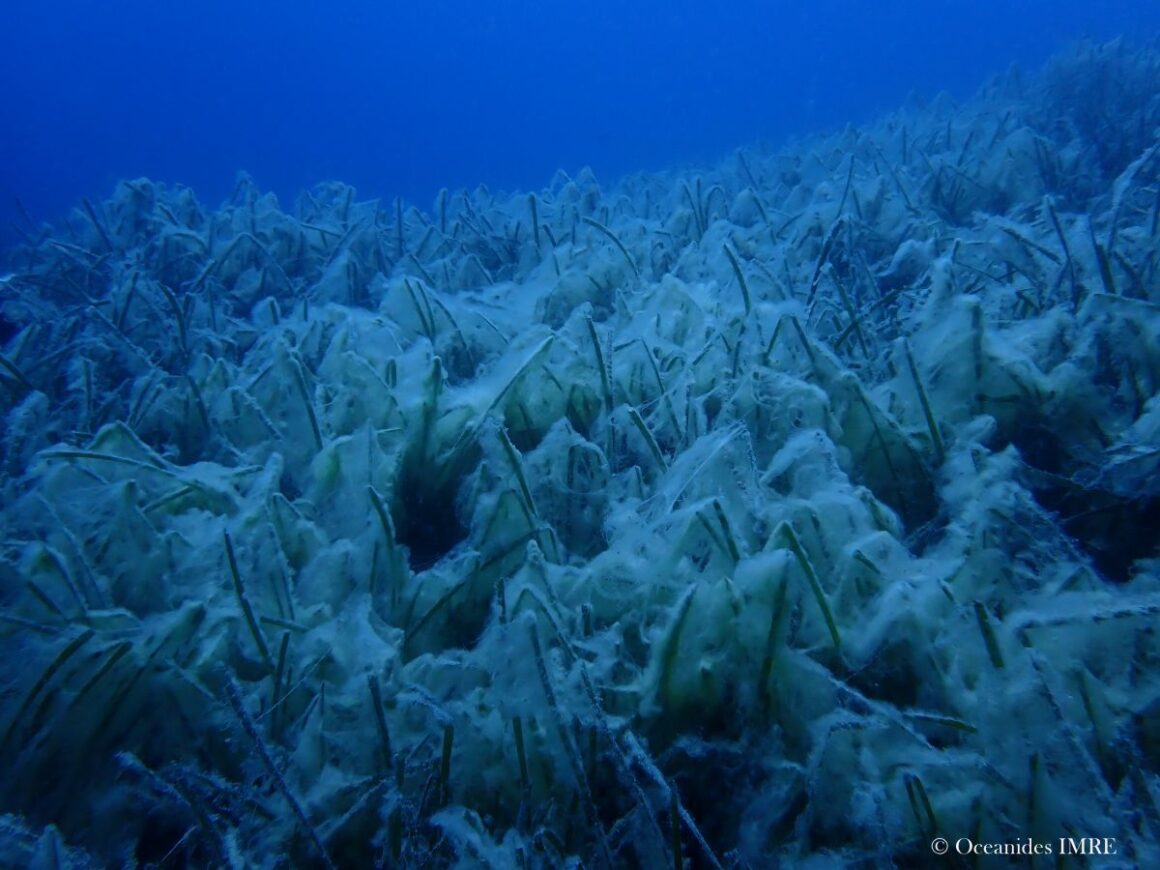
(794, 510)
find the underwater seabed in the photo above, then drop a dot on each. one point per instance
(799, 509)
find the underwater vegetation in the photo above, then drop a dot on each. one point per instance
(801, 507)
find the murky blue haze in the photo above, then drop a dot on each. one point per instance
(401, 99)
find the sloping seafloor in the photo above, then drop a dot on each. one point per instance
(798, 509)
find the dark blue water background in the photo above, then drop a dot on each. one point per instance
(401, 99)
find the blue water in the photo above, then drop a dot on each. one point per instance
(403, 99)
